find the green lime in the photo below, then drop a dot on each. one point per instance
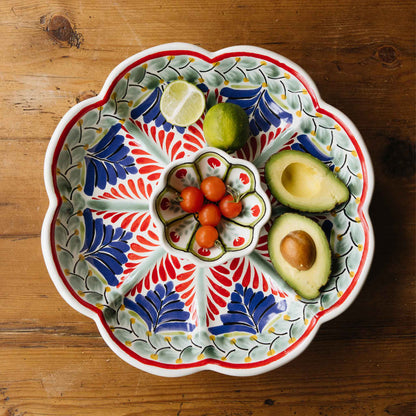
(226, 126)
(182, 103)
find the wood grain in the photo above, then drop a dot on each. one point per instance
(54, 54)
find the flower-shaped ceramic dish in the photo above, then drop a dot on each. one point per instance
(237, 237)
(158, 311)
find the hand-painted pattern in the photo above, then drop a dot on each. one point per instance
(157, 307)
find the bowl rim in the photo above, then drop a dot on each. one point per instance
(228, 255)
(54, 202)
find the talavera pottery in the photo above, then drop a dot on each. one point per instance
(237, 237)
(159, 311)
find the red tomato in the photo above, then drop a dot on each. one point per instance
(192, 199)
(209, 214)
(206, 236)
(213, 188)
(229, 207)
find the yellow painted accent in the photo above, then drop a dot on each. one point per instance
(299, 113)
(128, 343)
(161, 81)
(292, 340)
(168, 339)
(264, 85)
(223, 358)
(304, 91)
(237, 59)
(245, 79)
(306, 321)
(171, 57)
(339, 237)
(328, 148)
(122, 121)
(144, 66)
(215, 64)
(226, 82)
(337, 168)
(81, 293)
(352, 274)
(313, 133)
(144, 89)
(201, 80)
(359, 175)
(212, 337)
(127, 76)
(85, 146)
(154, 356)
(100, 108)
(340, 293)
(66, 272)
(200, 357)
(358, 219)
(191, 59)
(354, 153)
(283, 96)
(114, 95)
(233, 341)
(253, 337)
(132, 320)
(99, 306)
(271, 352)
(130, 103)
(108, 289)
(179, 361)
(297, 297)
(89, 273)
(81, 257)
(287, 76)
(271, 329)
(80, 122)
(263, 63)
(149, 333)
(321, 308)
(122, 307)
(360, 247)
(358, 200)
(180, 77)
(286, 318)
(336, 127)
(189, 336)
(318, 114)
(247, 359)
(112, 328)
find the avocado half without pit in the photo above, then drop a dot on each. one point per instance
(300, 253)
(303, 182)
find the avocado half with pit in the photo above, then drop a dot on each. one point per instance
(303, 182)
(300, 253)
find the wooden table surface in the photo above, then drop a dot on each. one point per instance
(55, 53)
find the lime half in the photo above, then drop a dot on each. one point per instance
(182, 103)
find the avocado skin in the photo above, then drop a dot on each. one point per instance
(299, 204)
(320, 274)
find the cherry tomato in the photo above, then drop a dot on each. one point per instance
(229, 207)
(206, 236)
(192, 199)
(209, 214)
(213, 188)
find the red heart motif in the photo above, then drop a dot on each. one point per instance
(204, 252)
(214, 162)
(239, 241)
(244, 178)
(181, 173)
(174, 237)
(165, 204)
(255, 211)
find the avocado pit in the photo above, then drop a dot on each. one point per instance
(299, 250)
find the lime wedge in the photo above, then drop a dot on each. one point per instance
(182, 103)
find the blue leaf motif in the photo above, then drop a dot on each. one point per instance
(161, 309)
(305, 144)
(262, 110)
(105, 247)
(108, 161)
(249, 311)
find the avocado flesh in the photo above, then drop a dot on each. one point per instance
(302, 182)
(306, 282)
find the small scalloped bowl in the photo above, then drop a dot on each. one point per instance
(176, 228)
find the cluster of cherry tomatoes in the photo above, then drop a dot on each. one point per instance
(219, 203)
